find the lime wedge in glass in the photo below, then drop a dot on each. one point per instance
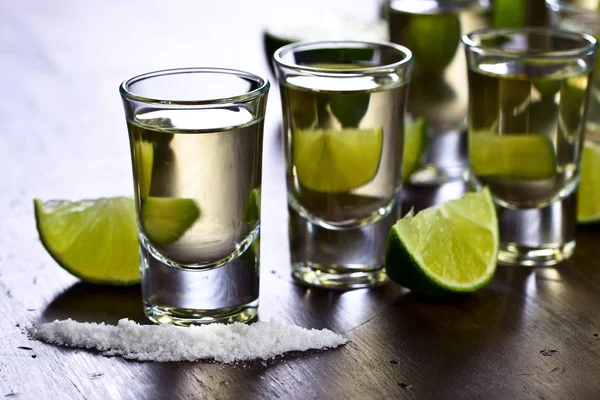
(333, 161)
(95, 240)
(512, 156)
(415, 141)
(588, 198)
(447, 249)
(165, 220)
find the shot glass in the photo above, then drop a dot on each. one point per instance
(438, 89)
(343, 121)
(584, 17)
(528, 97)
(196, 138)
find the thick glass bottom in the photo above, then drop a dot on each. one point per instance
(338, 259)
(538, 237)
(186, 317)
(338, 276)
(542, 256)
(224, 292)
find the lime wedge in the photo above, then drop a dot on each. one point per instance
(435, 39)
(512, 156)
(415, 141)
(588, 197)
(336, 160)
(446, 249)
(165, 220)
(95, 240)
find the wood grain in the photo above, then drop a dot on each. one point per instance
(529, 334)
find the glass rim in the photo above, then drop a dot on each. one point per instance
(560, 5)
(124, 87)
(470, 44)
(320, 44)
(450, 6)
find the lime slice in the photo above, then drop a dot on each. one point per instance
(435, 39)
(165, 220)
(446, 249)
(588, 197)
(95, 240)
(336, 160)
(415, 141)
(512, 156)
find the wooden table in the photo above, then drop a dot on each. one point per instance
(529, 334)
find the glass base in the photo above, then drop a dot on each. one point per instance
(338, 276)
(339, 259)
(538, 237)
(224, 292)
(187, 317)
(513, 254)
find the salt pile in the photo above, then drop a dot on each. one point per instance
(219, 342)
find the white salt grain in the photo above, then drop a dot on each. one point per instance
(219, 342)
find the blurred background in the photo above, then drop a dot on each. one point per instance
(63, 61)
(62, 129)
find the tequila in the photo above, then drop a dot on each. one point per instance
(526, 128)
(187, 154)
(344, 148)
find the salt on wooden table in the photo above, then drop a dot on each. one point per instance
(219, 342)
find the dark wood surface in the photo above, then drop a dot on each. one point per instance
(531, 334)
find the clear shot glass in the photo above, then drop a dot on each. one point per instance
(528, 100)
(196, 137)
(343, 120)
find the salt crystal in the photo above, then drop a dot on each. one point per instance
(219, 342)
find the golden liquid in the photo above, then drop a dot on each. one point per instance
(211, 156)
(544, 102)
(359, 103)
